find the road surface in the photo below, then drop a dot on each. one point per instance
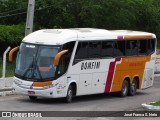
(109, 102)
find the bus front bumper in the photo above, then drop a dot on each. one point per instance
(48, 92)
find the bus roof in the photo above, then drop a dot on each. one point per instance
(61, 36)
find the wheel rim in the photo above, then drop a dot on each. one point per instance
(124, 89)
(134, 86)
(69, 95)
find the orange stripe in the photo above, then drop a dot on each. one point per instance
(129, 67)
(138, 36)
(42, 84)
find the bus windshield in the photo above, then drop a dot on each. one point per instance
(35, 62)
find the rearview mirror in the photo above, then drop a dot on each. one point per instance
(58, 56)
(11, 53)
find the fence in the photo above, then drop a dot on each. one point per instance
(6, 70)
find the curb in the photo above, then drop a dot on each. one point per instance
(6, 89)
(6, 86)
(6, 93)
(150, 107)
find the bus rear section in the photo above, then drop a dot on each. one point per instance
(105, 66)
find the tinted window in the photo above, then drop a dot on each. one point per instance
(81, 52)
(151, 46)
(142, 47)
(131, 48)
(65, 59)
(94, 50)
(69, 46)
(119, 48)
(107, 49)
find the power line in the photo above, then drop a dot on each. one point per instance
(26, 12)
(12, 11)
(45, 7)
(17, 9)
(13, 14)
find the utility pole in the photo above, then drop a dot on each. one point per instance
(30, 16)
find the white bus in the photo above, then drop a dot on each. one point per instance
(57, 63)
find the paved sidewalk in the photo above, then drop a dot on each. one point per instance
(6, 86)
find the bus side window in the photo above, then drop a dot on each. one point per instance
(63, 64)
(119, 49)
(107, 49)
(94, 50)
(151, 46)
(142, 47)
(81, 52)
(131, 48)
(69, 46)
(65, 59)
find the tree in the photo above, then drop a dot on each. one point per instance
(13, 11)
(107, 14)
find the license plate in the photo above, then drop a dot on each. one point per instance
(31, 92)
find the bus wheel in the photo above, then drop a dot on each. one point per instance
(125, 89)
(133, 88)
(69, 96)
(32, 97)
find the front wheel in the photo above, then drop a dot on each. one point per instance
(32, 97)
(69, 96)
(125, 89)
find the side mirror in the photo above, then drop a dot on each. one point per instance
(58, 56)
(11, 53)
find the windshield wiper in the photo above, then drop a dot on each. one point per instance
(33, 66)
(36, 67)
(29, 68)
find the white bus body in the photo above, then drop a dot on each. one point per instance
(84, 61)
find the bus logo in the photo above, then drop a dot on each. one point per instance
(90, 65)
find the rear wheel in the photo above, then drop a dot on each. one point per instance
(32, 97)
(69, 96)
(125, 88)
(133, 88)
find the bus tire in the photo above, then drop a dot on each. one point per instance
(125, 89)
(32, 97)
(69, 96)
(133, 87)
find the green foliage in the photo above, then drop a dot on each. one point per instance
(10, 67)
(14, 7)
(141, 15)
(11, 34)
(109, 14)
(155, 103)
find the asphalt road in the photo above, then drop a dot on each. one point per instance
(109, 102)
